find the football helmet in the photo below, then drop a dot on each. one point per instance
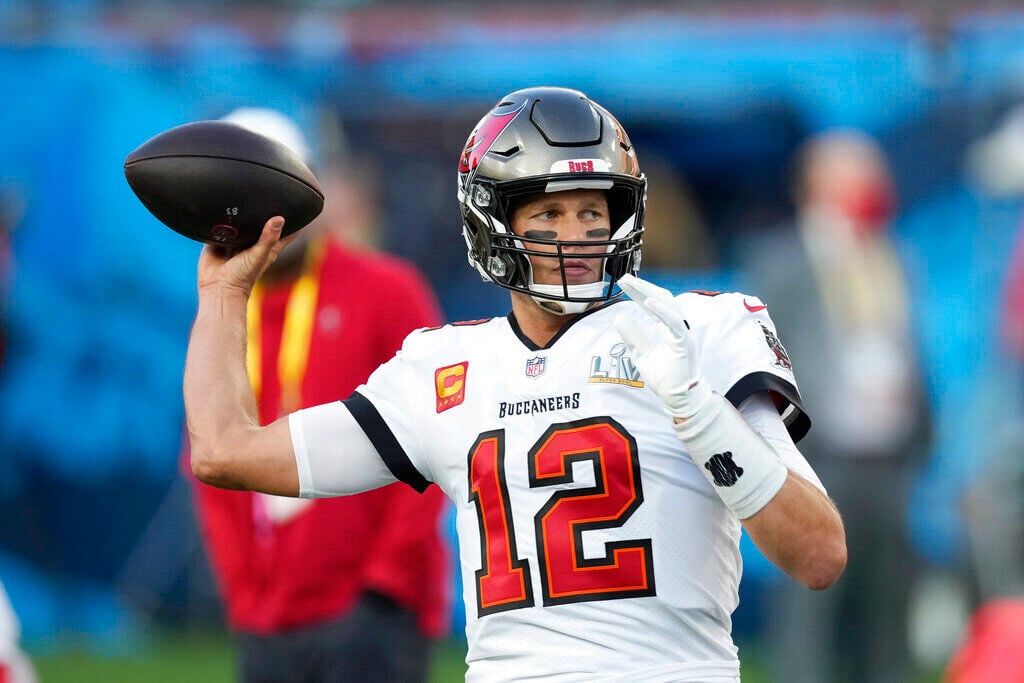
(549, 139)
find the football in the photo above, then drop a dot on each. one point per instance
(219, 182)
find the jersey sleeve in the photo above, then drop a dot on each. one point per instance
(743, 355)
(382, 417)
(332, 454)
(387, 411)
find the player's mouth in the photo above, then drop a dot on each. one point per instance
(576, 271)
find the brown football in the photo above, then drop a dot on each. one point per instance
(218, 182)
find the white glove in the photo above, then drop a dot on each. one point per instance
(737, 462)
(669, 364)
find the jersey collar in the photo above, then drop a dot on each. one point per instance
(534, 347)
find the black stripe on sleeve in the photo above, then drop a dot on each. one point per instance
(383, 439)
(797, 422)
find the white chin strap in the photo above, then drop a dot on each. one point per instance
(591, 290)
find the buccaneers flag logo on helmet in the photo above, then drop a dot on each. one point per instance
(487, 131)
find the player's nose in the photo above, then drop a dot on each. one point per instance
(574, 230)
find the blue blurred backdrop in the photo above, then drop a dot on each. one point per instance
(96, 535)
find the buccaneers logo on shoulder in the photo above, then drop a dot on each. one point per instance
(781, 357)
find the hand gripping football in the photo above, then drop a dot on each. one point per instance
(219, 182)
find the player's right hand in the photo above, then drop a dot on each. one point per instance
(667, 364)
(238, 270)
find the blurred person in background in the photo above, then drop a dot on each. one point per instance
(996, 165)
(352, 211)
(339, 589)
(838, 293)
(5, 269)
(9, 213)
(991, 649)
(15, 666)
(1013, 303)
(679, 251)
(676, 236)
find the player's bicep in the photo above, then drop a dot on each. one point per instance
(333, 455)
(760, 412)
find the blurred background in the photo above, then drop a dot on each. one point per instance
(99, 551)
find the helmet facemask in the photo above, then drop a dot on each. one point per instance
(494, 179)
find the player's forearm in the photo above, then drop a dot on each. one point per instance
(219, 404)
(801, 532)
(791, 521)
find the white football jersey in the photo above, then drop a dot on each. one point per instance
(591, 546)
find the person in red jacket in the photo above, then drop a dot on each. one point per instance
(351, 588)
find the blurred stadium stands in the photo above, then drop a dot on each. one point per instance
(96, 534)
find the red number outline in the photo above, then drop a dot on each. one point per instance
(627, 569)
(508, 573)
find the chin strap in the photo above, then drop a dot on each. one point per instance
(563, 307)
(594, 291)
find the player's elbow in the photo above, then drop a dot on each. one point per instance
(211, 465)
(824, 563)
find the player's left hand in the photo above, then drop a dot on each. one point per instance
(667, 364)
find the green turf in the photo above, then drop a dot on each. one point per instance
(193, 657)
(189, 657)
(449, 665)
(207, 657)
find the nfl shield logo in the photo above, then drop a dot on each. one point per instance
(535, 366)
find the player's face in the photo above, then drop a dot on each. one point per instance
(571, 215)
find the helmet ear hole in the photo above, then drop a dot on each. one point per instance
(482, 197)
(497, 266)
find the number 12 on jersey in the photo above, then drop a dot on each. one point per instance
(625, 571)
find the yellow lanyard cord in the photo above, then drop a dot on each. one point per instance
(296, 335)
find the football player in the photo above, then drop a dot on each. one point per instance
(602, 454)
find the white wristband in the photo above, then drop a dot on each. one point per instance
(743, 469)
